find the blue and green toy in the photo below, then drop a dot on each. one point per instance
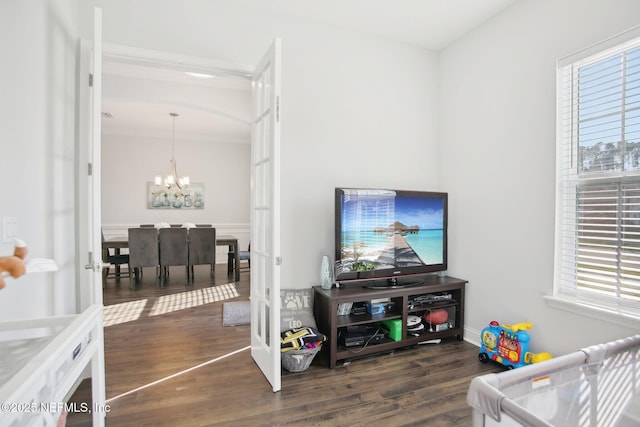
(508, 345)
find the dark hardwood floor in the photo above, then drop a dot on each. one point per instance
(179, 368)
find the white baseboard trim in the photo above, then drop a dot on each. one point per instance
(472, 336)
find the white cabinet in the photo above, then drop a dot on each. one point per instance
(42, 360)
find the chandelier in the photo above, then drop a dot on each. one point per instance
(172, 180)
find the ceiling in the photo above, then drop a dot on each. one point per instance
(137, 98)
(432, 24)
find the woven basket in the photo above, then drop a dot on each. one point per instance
(299, 360)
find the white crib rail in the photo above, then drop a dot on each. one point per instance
(487, 395)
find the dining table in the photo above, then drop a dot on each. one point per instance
(118, 243)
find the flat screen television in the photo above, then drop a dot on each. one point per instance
(388, 234)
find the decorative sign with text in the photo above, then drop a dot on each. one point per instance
(296, 309)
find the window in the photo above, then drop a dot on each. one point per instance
(598, 166)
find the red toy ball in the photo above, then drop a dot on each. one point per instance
(436, 316)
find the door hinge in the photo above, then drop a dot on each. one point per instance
(90, 79)
(278, 260)
(90, 169)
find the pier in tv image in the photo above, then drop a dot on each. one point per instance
(386, 233)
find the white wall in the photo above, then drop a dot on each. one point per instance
(356, 110)
(129, 163)
(38, 141)
(498, 151)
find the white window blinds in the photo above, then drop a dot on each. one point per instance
(598, 194)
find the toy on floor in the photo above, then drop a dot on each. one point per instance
(13, 265)
(508, 345)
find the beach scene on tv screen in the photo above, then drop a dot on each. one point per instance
(389, 231)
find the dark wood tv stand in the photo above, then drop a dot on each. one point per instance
(449, 296)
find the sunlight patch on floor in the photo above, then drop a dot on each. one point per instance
(124, 312)
(182, 300)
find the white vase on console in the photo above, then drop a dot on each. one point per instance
(326, 273)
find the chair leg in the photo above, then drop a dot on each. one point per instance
(131, 274)
(163, 275)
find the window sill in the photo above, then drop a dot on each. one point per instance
(623, 317)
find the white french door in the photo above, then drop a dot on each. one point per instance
(265, 216)
(89, 214)
(89, 217)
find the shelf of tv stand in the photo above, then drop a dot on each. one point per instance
(326, 313)
(361, 319)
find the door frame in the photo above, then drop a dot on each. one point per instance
(133, 55)
(173, 61)
(113, 52)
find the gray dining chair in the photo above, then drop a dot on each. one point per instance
(242, 256)
(245, 256)
(202, 249)
(174, 250)
(143, 252)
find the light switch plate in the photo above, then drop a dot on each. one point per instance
(9, 229)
